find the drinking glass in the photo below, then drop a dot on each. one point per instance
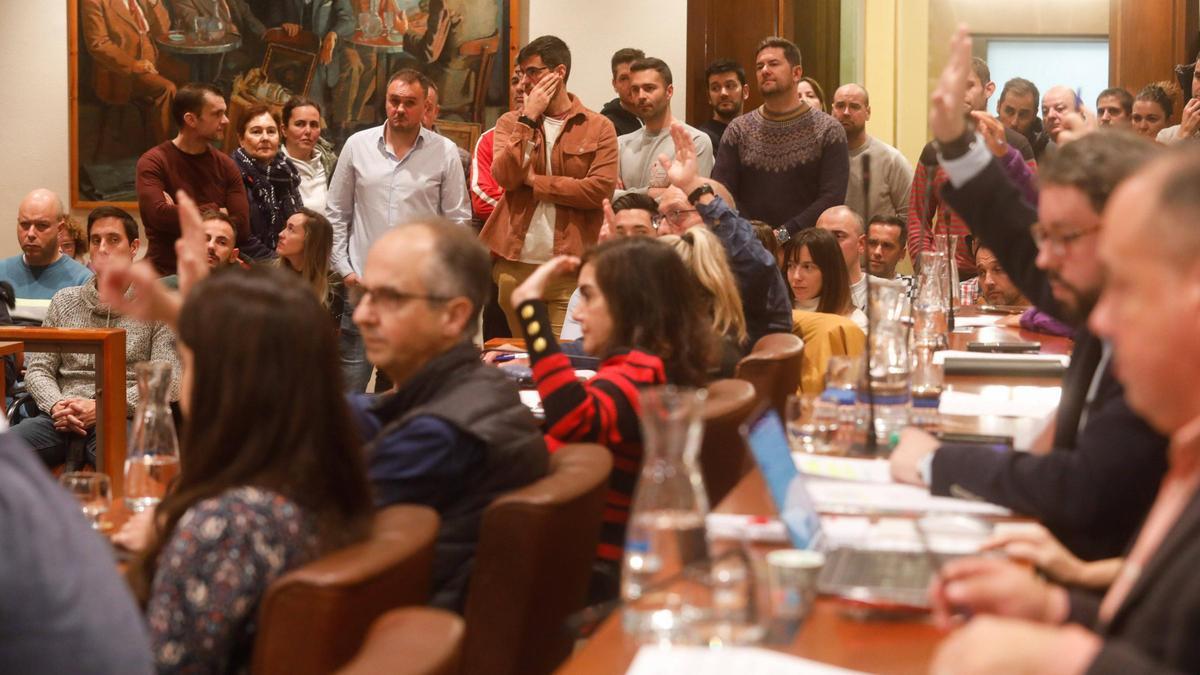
(812, 423)
(93, 490)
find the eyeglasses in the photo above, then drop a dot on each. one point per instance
(531, 72)
(1058, 243)
(674, 217)
(388, 298)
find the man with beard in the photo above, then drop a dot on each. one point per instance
(786, 162)
(1018, 110)
(891, 174)
(652, 88)
(727, 93)
(1095, 482)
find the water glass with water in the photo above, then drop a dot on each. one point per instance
(94, 492)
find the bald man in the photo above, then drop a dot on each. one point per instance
(891, 174)
(848, 227)
(1057, 102)
(41, 270)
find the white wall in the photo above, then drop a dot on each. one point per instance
(33, 119)
(594, 29)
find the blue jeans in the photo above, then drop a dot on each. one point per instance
(51, 444)
(356, 369)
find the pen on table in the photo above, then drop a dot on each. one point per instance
(507, 357)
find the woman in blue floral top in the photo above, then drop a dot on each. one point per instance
(272, 475)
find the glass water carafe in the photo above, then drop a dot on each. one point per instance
(152, 461)
(886, 376)
(665, 538)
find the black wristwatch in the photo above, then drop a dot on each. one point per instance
(782, 235)
(705, 189)
(527, 122)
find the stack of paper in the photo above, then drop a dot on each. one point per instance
(740, 660)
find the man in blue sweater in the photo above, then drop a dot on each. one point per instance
(41, 270)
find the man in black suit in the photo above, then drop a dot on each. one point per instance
(1148, 619)
(1102, 470)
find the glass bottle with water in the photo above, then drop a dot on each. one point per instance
(665, 537)
(152, 461)
(885, 388)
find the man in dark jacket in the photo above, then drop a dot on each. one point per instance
(620, 110)
(1095, 485)
(454, 434)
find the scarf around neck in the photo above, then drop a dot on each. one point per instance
(274, 188)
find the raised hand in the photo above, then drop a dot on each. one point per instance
(606, 226)
(1076, 125)
(190, 249)
(946, 104)
(993, 133)
(683, 171)
(538, 98)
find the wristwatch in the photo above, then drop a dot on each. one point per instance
(527, 122)
(705, 189)
(782, 235)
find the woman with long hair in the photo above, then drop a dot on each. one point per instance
(817, 275)
(704, 255)
(641, 312)
(304, 247)
(271, 470)
(272, 182)
(811, 93)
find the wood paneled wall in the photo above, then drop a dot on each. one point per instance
(1147, 38)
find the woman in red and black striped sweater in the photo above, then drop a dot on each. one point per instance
(642, 313)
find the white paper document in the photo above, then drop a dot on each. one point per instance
(729, 660)
(1004, 401)
(838, 496)
(844, 468)
(981, 321)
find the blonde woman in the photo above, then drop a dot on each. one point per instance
(304, 247)
(704, 255)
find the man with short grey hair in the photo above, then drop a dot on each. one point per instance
(454, 434)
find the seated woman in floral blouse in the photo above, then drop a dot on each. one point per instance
(271, 477)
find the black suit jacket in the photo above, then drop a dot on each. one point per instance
(1095, 487)
(1155, 629)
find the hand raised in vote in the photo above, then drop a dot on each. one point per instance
(1076, 125)
(946, 104)
(683, 170)
(993, 133)
(994, 586)
(534, 288)
(914, 445)
(606, 226)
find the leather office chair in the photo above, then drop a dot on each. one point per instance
(313, 619)
(723, 459)
(533, 566)
(411, 641)
(773, 367)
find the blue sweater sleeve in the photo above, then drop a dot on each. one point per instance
(422, 463)
(764, 296)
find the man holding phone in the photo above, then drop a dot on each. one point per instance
(557, 163)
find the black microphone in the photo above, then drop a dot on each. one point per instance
(871, 444)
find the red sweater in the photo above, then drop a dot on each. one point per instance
(211, 178)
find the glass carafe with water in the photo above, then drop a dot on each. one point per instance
(665, 538)
(884, 391)
(152, 462)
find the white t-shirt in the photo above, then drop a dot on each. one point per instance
(313, 183)
(539, 239)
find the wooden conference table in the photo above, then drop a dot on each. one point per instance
(831, 634)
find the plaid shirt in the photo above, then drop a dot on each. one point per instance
(925, 202)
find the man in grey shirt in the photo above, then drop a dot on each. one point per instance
(63, 606)
(640, 171)
(395, 173)
(891, 173)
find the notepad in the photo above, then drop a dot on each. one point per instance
(659, 660)
(982, 363)
(837, 496)
(844, 468)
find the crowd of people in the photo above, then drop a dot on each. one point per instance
(280, 280)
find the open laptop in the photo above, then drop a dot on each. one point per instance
(874, 577)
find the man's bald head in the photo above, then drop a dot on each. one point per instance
(853, 89)
(1057, 102)
(40, 218)
(847, 226)
(451, 260)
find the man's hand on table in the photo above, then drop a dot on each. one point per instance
(994, 586)
(995, 645)
(906, 458)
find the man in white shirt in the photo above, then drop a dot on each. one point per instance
(394, 173)
(652, 88)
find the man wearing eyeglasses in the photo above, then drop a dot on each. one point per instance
(1095, 480)
(454, 434)
(41, 270)
(557, 162)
